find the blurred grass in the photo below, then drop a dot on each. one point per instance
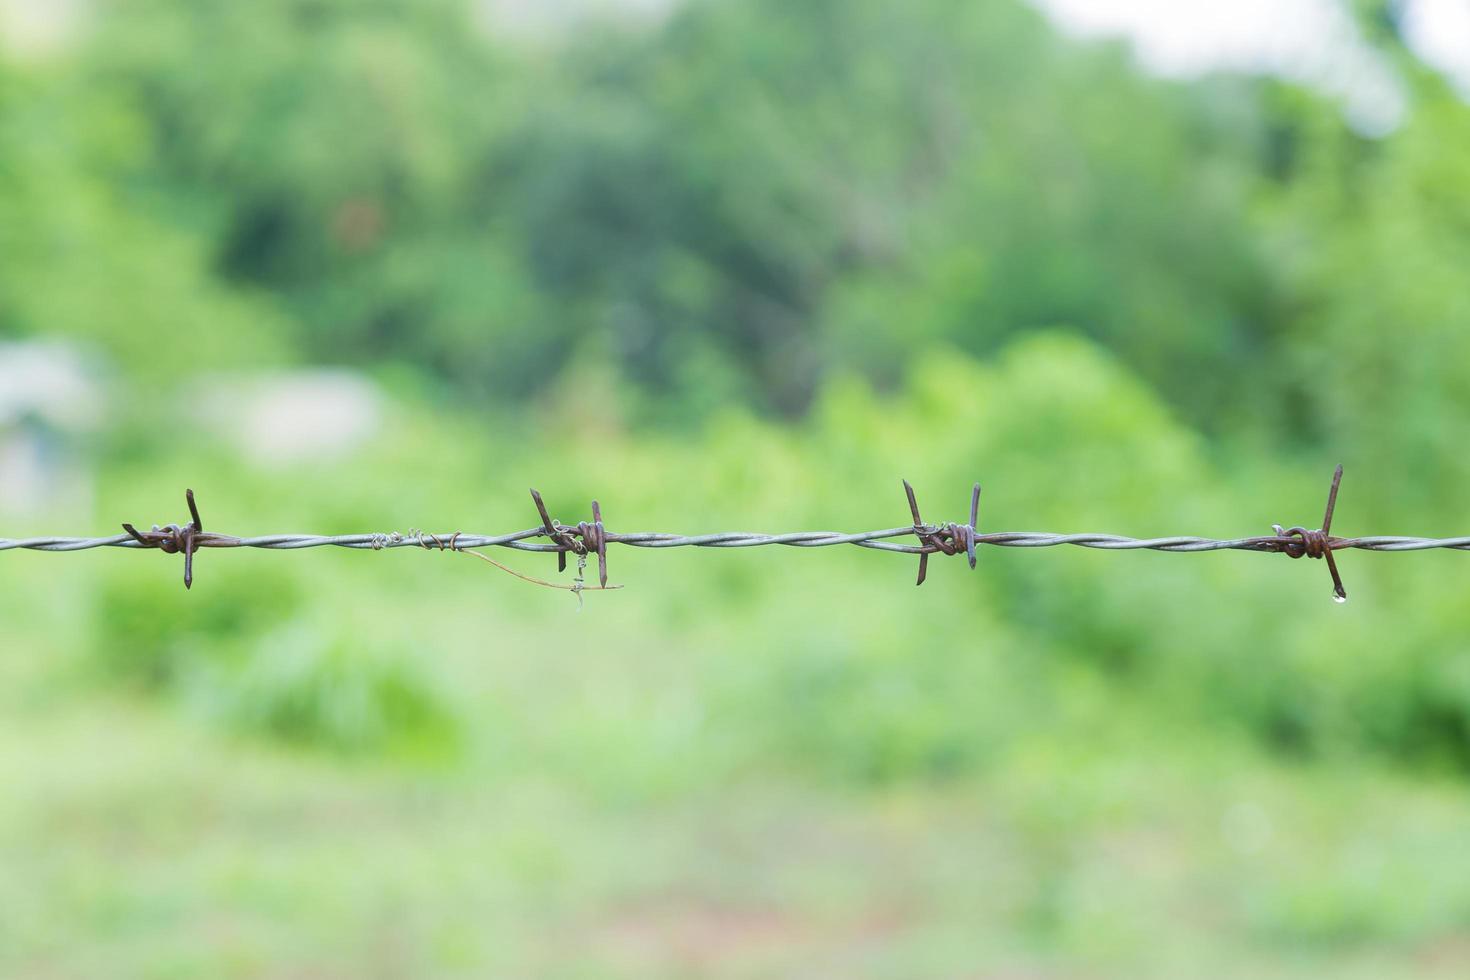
(1083, 850)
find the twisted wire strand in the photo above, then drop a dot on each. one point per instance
(875, 540)
(589, 538)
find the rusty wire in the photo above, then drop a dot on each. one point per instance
(587, 538)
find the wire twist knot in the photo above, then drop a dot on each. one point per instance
(1305, 543)
(1301, 542)
(433, 542)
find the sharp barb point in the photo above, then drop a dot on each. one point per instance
(193, 510)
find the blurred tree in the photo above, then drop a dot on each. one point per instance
(1371, 240)
(81, 260)
(731, 202)
(336, 154)
(835, 183)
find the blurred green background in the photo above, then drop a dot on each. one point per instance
(359, 265)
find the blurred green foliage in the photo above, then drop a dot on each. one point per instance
(745, 265)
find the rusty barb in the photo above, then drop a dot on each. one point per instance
(580, 540)
(945, 539)
(172, 539)
(591, 537)
(1296, 542)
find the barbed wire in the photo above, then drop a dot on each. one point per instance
(592, 538)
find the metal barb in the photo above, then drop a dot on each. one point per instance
(586, 537)
(1298, 542)
(594, 536)
(948, 539)
(550, 527)
(969, 529)
(173, 539)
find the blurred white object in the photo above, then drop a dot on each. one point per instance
(1311, 41)
(49, 381)
(1439, 31)
(48, 398)
(280, 419)
(38, 28)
